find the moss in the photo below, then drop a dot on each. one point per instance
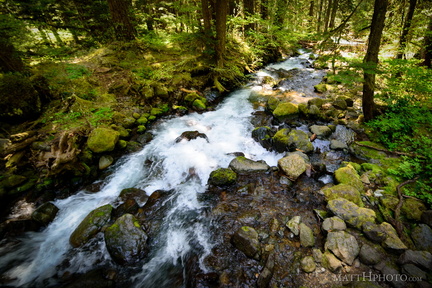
(199, 105)
(345, 191)
(272, 103)
(191, 97)
(141, 129)
(223, 177)
(156, 111)
(122, 144)
(102, 140)
(142, 120)
(286, 111)
(348, 175)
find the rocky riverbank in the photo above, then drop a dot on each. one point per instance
(326, 216)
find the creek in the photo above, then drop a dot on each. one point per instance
(183, 168)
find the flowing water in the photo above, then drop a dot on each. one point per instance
(162, 164)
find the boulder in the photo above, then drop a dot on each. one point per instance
(126, 241)
(413, 209)
(308, 264)
(294, 164)
(307, 238)
(340, 103)
(345, 191)
(321, 131)
(333, 224)
(263, 135)
(350, 212)
(343, 245)
(91, 225)
(392, 241)
(299, 140)
(427, 217)
(389, 272)
(105, 161)
(414, 271)
(243, 165)
(338, 145)
(246, 240)
(102, 140)
(286, 111)
(222, 177)
(133, 193)
(45, 213)
(348, 175)
(422, 259)
(422, 237)
(330, 262)
(374, 232)
(371, 254)
(316, 101)
(191, 135)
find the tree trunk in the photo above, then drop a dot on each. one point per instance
(311, 8)
(221, 11)
(206, 13)
(264, 9)
(371, 58)
(249, 9)
(122, 22)
(333, 13)
(327, 15)
(428, 45)
(405, 29)
(320, 15)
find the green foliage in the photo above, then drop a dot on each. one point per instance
(101, 115)
(75, 71)
(407, 123)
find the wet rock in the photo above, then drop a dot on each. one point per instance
(307, 238)
(266, 274)
(348, 175)
(422, 237)
(427, 217)
(102, 140)
(343, 245)
(45, 213)
(413, 209)
(321, 131)
(222, 177)
(422, 259)
(126, 241)
(345, 191)
(392, 241)
(286, 111)
(293, 225)
(191, 135)
(133, 193)
(374, 232)
(330, 262)
(243, 165)
(333, 224)
(129, 206)
(322, 87)
(350, 212)
(246, 240)
(314, 112)
(94, 278)
(272, 103)
(338, 145)
(105, 161)
(298, 140)
(280, 140)
(294, 164)
(308, 264)
(371, 254)
(263, 135)
(90, 226)
(13, 181)
(316, 101)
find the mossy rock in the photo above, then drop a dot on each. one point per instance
(199, 105)
(322, 87)
(122, 144)
(286, 111)
(91, 225)
(102, 140)
(246, 240)
(142, 120)
(280, 140)
(316, 101)
(272, 103)
(141, 129)
(348, 175)
(263, 135)
(191, 97)
(413, 209)
(13, 181)
(351, 213)
(126, 241)
(372, 155)
(45, 213)
(222, 177)
(343, 191)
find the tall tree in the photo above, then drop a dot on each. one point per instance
(221, 11)
(428, 45)
(249, 9)
(405, 29)
(124, 28)
(371, 58)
